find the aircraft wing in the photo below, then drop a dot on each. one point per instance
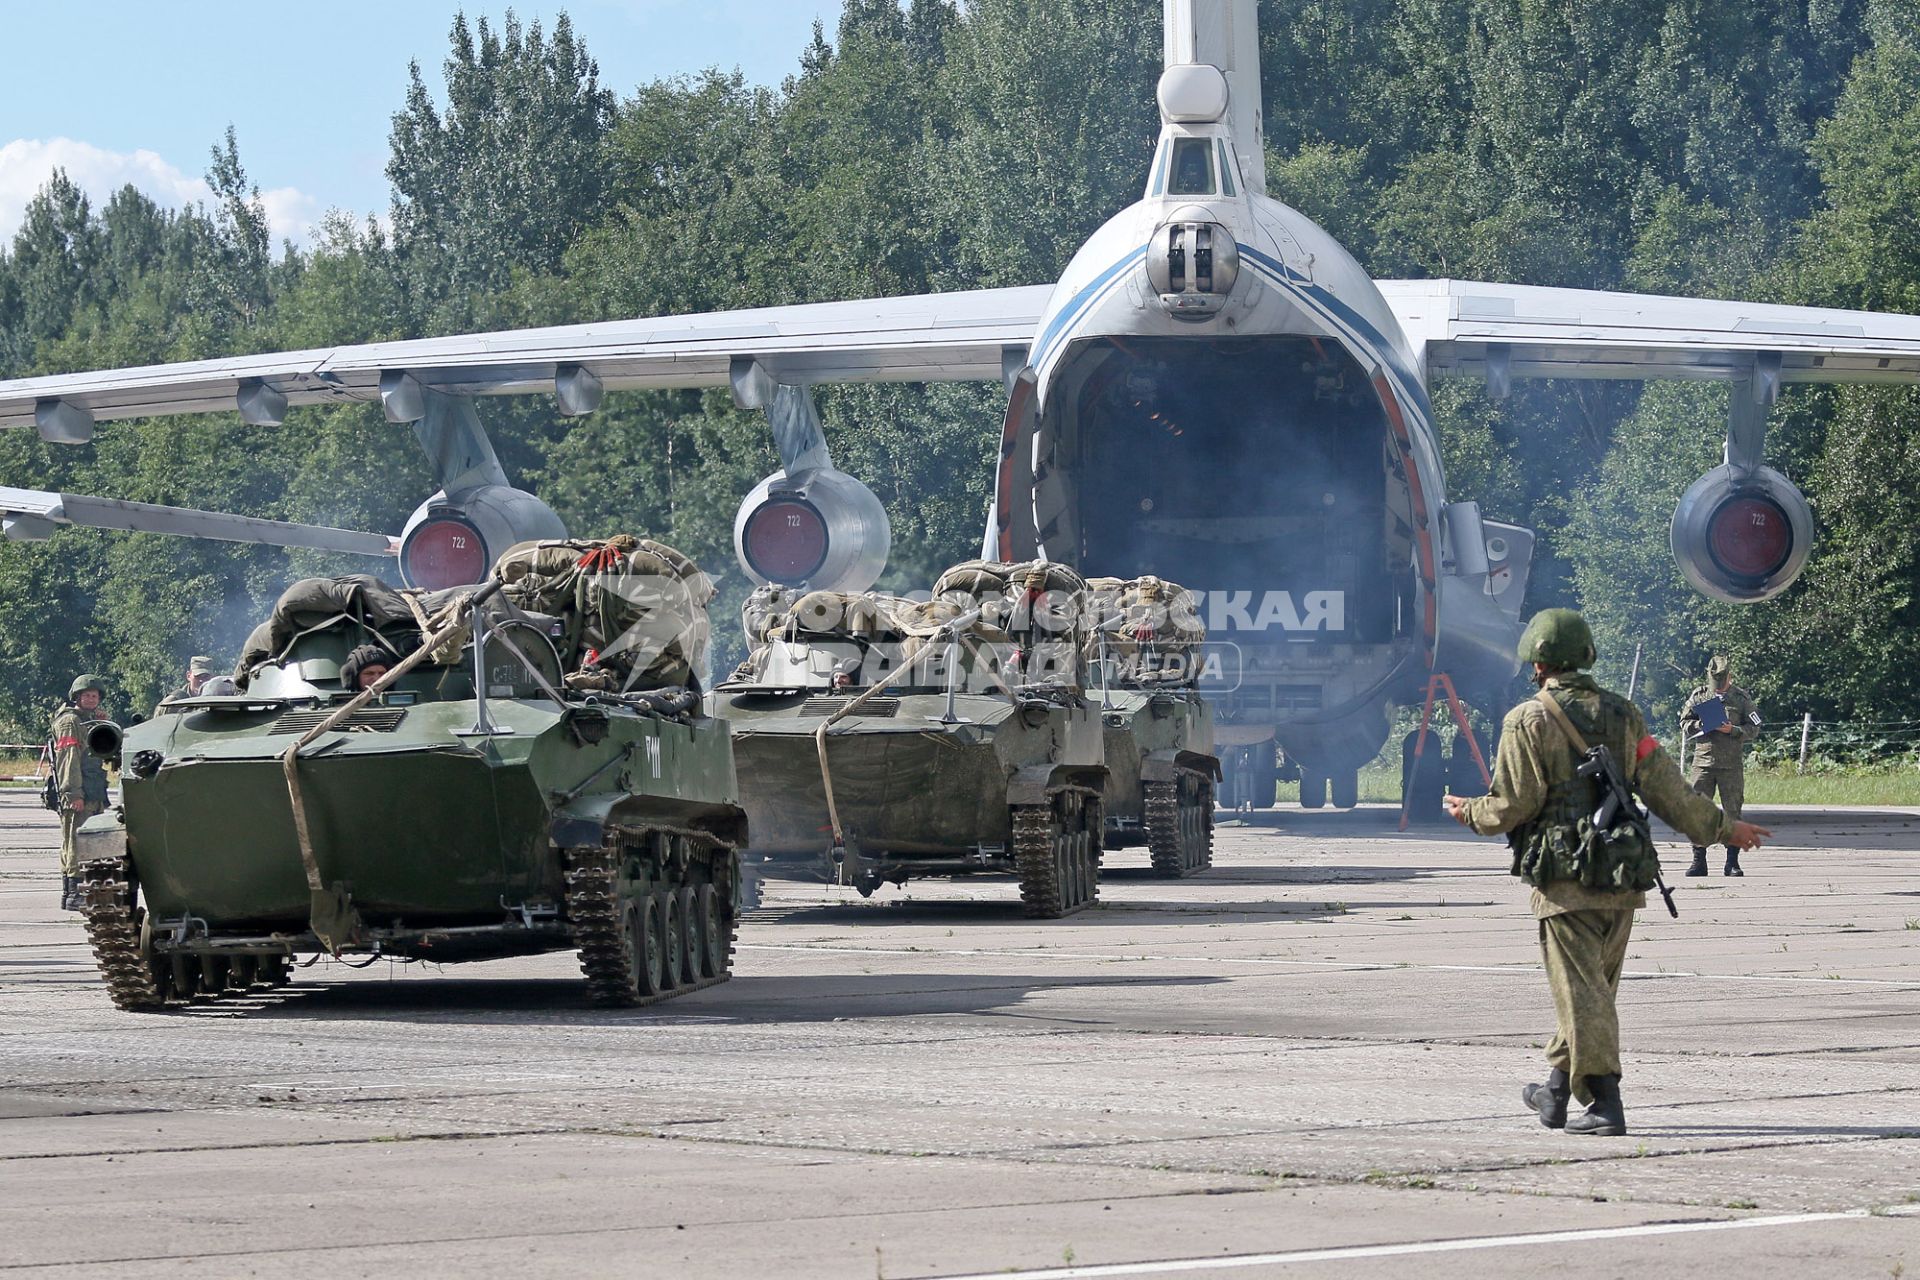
(29, 515)
(1502, 331)
(920, 338)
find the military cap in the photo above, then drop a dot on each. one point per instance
(200, 665)
(1718, 667)
(1558, 638)
(83, 683)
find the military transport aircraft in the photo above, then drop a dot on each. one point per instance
(1215, 391)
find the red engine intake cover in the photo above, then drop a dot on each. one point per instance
(1749, 536)
(445, 551)
(785, 540)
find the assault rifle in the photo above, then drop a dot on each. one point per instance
(1616, 800)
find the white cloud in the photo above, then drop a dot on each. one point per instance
(27, 163)
(292, 213)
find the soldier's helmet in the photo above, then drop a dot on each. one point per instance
(83, 683)
(1718, 668)
(367, 655)
(1558, 638)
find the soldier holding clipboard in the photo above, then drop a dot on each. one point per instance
(1719, 721)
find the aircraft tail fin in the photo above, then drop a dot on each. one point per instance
(1226, 34)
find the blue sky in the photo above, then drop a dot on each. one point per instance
(116, 91)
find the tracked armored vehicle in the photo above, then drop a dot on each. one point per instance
(532, 773)
(881, 740)
(1145, 640)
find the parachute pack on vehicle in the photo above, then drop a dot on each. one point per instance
(634, 609)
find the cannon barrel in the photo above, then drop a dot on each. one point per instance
(103, 740)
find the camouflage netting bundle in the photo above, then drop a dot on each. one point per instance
(633, 611)
(1135, 614)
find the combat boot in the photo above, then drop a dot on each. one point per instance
(1699, 866)
(1733, 863)
(1607, 1117)
(1549, 1100)
(69, 893)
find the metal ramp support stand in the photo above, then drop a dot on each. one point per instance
(1441, 682)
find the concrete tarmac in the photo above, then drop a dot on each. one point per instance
(1304, 1062)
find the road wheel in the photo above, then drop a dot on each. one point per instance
(713, 932)
(673, 942)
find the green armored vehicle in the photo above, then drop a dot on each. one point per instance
(1145, 641)
(880, 739)
(352, 796)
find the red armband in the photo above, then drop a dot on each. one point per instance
(63, 743)
(1646, 748)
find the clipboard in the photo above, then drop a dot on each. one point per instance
(1712, 714)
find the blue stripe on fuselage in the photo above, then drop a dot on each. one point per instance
(1331, 303)
(1079, 303)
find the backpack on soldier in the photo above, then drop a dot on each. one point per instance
(1591, 829)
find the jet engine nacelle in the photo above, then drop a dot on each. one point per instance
(818, 528)
(453, 542)
(1742, 535)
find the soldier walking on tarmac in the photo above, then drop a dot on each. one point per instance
(1719, 755)
(1585, 887)
(79, 776)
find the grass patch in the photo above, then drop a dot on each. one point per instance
(1865, 785)
(18, 764)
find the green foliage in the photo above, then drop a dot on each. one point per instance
(1759, 150)
(504, 175)
(1051, 131)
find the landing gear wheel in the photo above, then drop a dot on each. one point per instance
(1263, 775)
(1057, 854)
(1313, 789)
(1346, 789)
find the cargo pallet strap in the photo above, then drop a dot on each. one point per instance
(1436, 684)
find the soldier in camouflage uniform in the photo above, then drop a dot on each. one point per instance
(79, 776)
(1719, 758)
(1584, 904)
